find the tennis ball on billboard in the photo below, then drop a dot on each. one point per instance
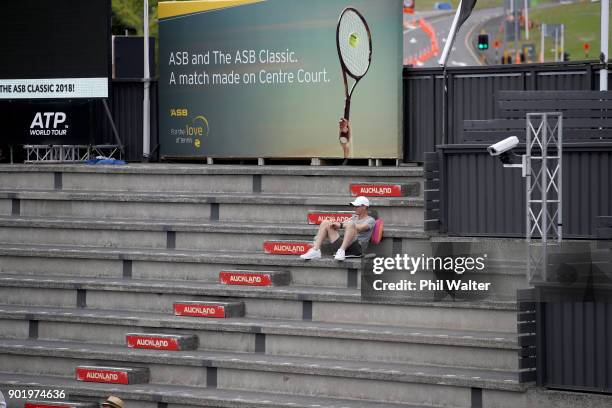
(354, 40)
(197, 143)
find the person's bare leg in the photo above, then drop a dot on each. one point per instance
(325, 231)
(349, 235)
(346, 149)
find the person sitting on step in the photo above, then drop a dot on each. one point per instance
(112, 402)
(357, 234)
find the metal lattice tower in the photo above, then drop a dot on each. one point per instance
(543, 160)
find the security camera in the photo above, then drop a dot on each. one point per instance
(504, 151)
(503, 146)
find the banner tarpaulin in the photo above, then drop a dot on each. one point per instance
(258, 78)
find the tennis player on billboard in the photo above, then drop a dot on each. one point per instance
(354, 43)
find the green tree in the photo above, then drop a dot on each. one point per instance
(127, 14)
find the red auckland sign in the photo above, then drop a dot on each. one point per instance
(245, 278)
(317, 218)
(286, 247)
(376, 190)
(152, 342)
(101, 375)
(199, 310)
(42, 405)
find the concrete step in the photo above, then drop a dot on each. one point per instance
(326, 305)
(99, 374)
(243, 277)
(204, 266)
(59, 404)
(387, 382)
(280, 208)
(202, 178)
(165, 234)
(221, 310)
(171, 342)
(413, 345)
(188, 265)
(149, 395)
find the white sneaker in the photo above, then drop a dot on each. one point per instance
(340, 255)
(311, 254)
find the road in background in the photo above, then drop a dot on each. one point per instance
(417, 42)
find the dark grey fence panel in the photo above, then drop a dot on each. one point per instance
(480, 197)
(420, 108)
(578, 354)
(564, 80)
(471, 95)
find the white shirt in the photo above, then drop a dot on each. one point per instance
(2, 401)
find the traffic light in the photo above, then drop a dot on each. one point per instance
(566, 56)
(483, 42)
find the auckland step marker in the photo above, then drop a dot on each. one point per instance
(254, 278)
(286, 247)
(386, 190)
(317, 217)
(112, 375)
(218, 310)
(172, 342)
(59, 404)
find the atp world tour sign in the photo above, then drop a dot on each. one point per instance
(280, 78)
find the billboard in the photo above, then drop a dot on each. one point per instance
(55, 49)
(44, 122)
(266, 78)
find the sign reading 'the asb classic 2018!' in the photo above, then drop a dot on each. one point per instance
(263, 78)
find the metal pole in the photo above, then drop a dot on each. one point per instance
(562, 53)
(528, 164)
(526, 19)
(542, 42)
(505, 27)
(560, 178)
(605, 17)
(516, 26)
(557, 44)
(544, 181)
(146, 102)
(451, 38)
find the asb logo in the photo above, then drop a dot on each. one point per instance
(193, 132)
(49, 123)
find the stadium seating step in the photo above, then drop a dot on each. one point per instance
(172, 342)
(418, 345)
(186, 396)
(180, 361)
(243, 227)
(112, 375)
(386, 333)
(298, 293)
(59, 404)
(209, 309)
